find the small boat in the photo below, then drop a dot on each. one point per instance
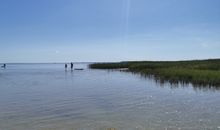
(78, 69)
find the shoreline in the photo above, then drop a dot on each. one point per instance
(197, 72)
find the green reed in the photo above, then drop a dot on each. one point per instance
(198, 72)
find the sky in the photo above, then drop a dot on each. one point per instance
(108, 30)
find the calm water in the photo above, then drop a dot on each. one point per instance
(46, 97)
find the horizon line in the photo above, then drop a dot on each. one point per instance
(102, 61)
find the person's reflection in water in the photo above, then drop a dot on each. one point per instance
(71, 71)
(72, 76)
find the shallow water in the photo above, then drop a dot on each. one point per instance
(46, 97)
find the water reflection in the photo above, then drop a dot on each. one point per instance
(174, 83)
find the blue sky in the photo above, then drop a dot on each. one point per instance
(108, 30)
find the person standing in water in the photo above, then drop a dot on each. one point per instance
(71, 65)
(65, 66)
(4, 66)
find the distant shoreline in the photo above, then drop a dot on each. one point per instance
(50, 63)
(197, 72)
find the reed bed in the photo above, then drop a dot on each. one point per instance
(197, 72)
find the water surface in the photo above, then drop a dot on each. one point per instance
(46, 97)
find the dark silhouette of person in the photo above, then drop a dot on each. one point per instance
(4, 66)
(65, 66)
(71, 65)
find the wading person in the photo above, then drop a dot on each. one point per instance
(65, 66)
(4, 66)
(71, 65)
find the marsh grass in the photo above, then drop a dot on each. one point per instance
(197, 72)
